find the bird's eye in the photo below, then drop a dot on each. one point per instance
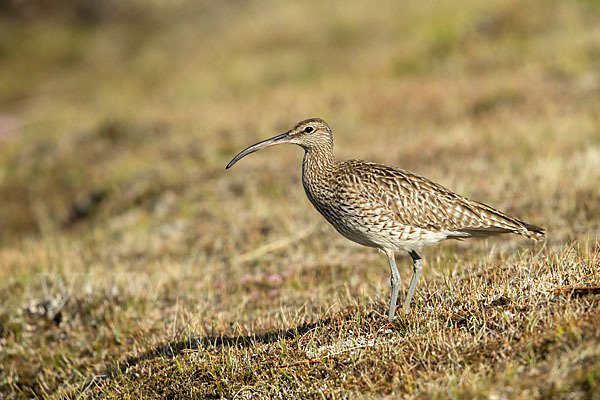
(308, 129)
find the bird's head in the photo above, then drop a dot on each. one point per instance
(309, 134)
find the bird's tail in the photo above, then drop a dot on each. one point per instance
(496, 222)
(532, 231)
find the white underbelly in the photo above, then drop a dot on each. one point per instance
(385, 236)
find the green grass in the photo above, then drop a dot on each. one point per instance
(132, 265)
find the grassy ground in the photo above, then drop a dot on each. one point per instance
(132, 265)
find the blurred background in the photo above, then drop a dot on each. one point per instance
(106, 106)
(117, 119)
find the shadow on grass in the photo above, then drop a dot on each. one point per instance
(175, 348)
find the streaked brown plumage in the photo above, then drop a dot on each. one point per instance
(385, 207)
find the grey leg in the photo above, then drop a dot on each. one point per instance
(417, 269)
(395, 281)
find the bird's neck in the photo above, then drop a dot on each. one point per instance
(318, 163)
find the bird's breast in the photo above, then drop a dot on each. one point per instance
(336, 212)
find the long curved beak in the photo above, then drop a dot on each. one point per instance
(280, 139)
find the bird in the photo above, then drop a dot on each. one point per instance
(385, 207)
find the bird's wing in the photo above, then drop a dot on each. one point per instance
(418, 202)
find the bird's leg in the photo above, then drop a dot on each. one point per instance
(417, 269)
(395, 282)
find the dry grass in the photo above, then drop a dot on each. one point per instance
(132, 265)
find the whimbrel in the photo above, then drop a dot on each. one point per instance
(385, 207)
